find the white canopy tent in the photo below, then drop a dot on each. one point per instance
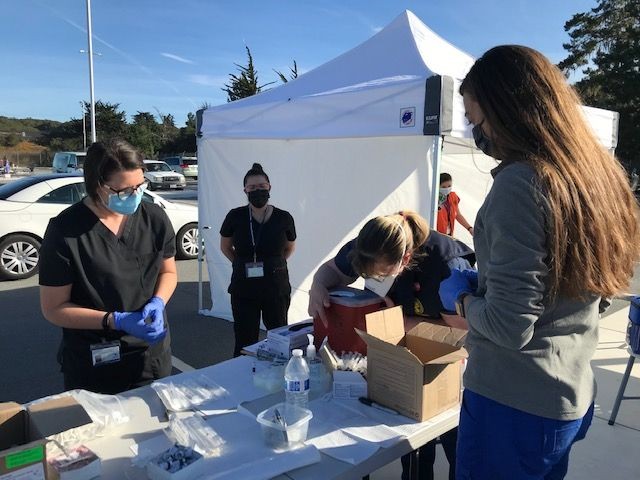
(357, 137)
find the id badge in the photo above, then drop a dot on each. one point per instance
(254, 269)
(105, 353)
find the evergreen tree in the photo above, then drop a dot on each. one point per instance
(245, 84)
(605, 48)
(292, 76)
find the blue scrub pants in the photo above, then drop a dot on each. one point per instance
(496, 442)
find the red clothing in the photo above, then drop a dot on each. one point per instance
(447, 214)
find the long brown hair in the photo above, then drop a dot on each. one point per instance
(385, 239)
(535, 116)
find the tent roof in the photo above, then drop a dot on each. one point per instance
(404, 48)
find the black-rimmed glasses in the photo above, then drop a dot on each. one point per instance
(125, 193)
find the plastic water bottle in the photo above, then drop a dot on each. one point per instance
(296, 380)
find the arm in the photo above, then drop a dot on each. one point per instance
(57, 309)
(515, 272)
(463, 221)
(226, 246)
(167, 280)
(289, 248)
(327, 276)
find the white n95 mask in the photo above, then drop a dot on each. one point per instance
(380, 286)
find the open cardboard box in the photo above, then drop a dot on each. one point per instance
(417, 373)
(23, 433)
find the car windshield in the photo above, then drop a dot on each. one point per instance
(158, 167)
(189, 161)
(15, 186)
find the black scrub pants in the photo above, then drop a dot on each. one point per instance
(427, 457)
(246, 317)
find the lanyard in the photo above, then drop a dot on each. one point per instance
(254, 241)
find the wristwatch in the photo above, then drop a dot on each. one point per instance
(460, 305)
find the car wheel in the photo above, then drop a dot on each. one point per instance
(19, 257)
(187, 241)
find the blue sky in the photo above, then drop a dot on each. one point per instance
(174, 55)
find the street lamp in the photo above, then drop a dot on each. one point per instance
(90, 51)
(84, 128)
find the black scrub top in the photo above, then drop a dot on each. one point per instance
(271, 239)
(417, 288)
(106, 272)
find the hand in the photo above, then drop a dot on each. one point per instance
(154, 309)
(470, 230)
(134, 324)
(318, 301)
(459, 282)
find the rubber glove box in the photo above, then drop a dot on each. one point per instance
(346, 313)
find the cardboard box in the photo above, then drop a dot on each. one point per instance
(348, 385)
(282, 340)
(23, 432)
(416, 373)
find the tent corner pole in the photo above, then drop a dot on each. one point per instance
(435, 181)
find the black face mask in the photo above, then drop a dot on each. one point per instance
(482, 141)
(258, 198)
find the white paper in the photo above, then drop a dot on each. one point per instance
(341, 446)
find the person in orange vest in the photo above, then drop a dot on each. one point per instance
(448, 211)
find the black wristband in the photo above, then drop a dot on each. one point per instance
(105, 322)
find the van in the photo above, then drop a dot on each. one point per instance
(187, 166)
(68, 162)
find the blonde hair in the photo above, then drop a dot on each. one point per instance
(386, 238)
(593, 237)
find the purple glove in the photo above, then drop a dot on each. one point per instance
(134, 324)
(459, 282)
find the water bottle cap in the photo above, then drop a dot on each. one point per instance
(296, 353)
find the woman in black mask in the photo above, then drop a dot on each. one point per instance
(258, 239)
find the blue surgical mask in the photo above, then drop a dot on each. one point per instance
(127, 206)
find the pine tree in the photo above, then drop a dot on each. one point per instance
(605, 48)
(245, 84)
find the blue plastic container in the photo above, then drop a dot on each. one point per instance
(633, 330)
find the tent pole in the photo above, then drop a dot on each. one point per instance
(435, 182)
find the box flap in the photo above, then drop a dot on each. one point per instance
(399, 351)
(387, 325)
(439, 333)
(55, 416)
(13, 423)
(329, 359)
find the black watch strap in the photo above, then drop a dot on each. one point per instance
(105, 322)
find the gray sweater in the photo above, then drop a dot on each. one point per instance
(524, 352)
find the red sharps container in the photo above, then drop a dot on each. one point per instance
(347, 311)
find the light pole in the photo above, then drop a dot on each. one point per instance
(84, 128)
(90, 48)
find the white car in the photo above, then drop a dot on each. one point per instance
(27, 204)
(160, 175)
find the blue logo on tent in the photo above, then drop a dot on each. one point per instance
(407, 117)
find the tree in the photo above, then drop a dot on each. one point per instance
(110, 122)
(143, 134)
(293, 76)
(605, 47)
(246, 83)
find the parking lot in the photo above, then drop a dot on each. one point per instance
(29, 343)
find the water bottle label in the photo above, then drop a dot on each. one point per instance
(296, 385)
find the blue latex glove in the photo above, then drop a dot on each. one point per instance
(154, 309)
(459, 282)
(134, 324)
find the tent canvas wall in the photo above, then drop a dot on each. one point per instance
(357, 137)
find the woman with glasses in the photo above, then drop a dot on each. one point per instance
(107, 270)
(258, 238)
(404, 261)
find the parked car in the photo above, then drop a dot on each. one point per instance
(27, 204)
(160, 175)
(188, 166)
(68, 162)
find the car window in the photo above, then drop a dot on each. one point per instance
(80, 159)
(172, 160)
(158, 167)
(189, 161)
(147, 198)
(67, 194)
